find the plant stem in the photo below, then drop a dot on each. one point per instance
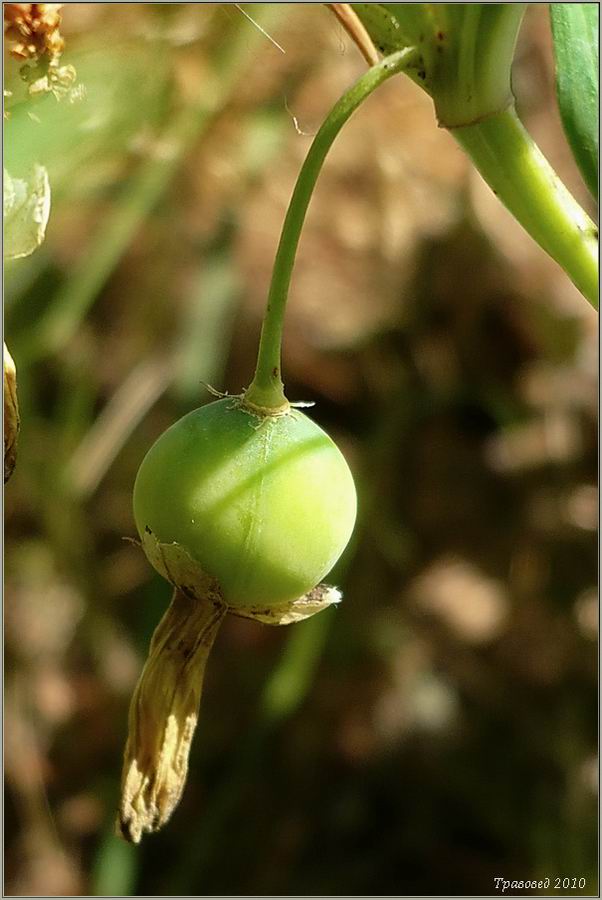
(516, 170)
(470, 78)
(466, 56)
(266, 391)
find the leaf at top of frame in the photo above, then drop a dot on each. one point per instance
(575, 33)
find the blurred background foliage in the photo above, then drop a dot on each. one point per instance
(439, 728)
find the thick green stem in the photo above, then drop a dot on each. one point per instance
(466, 52)
(516, 170)
(266, 391)
(471, 65)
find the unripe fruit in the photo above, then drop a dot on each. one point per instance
(244, 505)
(266, 505)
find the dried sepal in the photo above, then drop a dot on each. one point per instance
(321, 597)
(177, 566)
(164, 712)
(11, 414)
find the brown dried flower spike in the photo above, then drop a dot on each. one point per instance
(33, 29)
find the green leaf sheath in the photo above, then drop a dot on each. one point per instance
(465, 54)
(474, 48)
(575, 33)
(465, 51)
(266, 391)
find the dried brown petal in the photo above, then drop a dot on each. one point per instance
(321, 597)
(164, 713)
(165, 705)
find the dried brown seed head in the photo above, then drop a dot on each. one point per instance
(33, 30)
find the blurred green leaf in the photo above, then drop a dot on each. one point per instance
(115, 868)
(26, 206)
(575, 32)
(292, 678)
(142, 192)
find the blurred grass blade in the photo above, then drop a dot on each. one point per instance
(575, 33)
(80, 290)
(115, 868)
(206, 332)
(113, 426)
(73, 301)
(293, 677)
(287, 687)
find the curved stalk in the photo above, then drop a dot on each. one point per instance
(517, 171)
(266, 391)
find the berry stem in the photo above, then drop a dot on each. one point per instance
(266, 391)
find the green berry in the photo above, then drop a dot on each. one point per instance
(264, 505)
